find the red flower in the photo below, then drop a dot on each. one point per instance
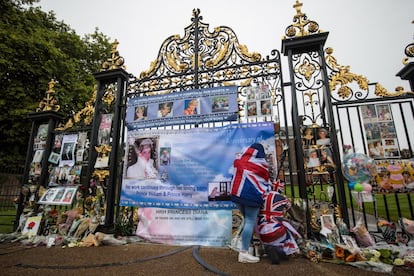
(31, 225)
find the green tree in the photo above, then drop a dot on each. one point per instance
(34, 48)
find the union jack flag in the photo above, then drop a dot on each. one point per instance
(274, 206)
(251, 175)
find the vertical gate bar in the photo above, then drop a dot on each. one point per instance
(387, 211)
(397, 201)
(410, 204)
(334, 139)
(405, 124)
(352, 206)
(196, 20)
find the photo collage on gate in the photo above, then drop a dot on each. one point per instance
(380, 132)
(69, 154)
(394, 173)
(258, 101)
(317, 149)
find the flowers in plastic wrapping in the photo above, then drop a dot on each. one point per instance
(383, 255)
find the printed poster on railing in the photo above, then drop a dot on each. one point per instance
(190, 168)
(185, 227)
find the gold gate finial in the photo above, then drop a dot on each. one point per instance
(301, 26)
(115, 61)
(49, 103)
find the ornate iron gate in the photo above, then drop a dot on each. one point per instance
(318, 96)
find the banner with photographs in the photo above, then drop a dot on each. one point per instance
(190, 168)
(380, 131)
(59, 196)
(215, 104)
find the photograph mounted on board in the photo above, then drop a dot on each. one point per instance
(142, 158)
(165, 110)
(140, 113)
(220, 104)
(219, 191)
(191, 107)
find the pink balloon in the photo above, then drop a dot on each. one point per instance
(367, 187)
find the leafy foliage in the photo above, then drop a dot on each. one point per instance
(34, 48)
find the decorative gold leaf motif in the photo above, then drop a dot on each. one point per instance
(103, 150)
(382, 92)
(85, 115)
(115, 61)
(243, 49)
(218, 55)
(100, 174)
(49, 103)
(301, 26)
(342, 76)
(151, 69)
(307, 69)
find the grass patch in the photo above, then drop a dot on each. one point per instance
(6, 221)
(398, 205)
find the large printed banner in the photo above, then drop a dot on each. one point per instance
(215, 104)
(188, 169)
(185, 227)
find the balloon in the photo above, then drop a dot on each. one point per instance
(367, 187)
(358, 187)
(358, 167)
(351, 185)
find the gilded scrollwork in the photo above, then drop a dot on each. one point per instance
(341, 78)
(109, 96)
(84, 116)
(103, 150)
(200, 58)
(100, 175)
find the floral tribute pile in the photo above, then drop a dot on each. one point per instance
(392, 246)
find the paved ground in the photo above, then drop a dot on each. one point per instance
(153, 259)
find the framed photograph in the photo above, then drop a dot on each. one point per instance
(327, 221)
(69, 195)
(48, 196)
(54, 158)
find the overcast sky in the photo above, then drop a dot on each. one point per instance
(368, 35)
